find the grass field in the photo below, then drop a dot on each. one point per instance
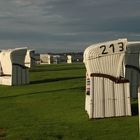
(52, 108)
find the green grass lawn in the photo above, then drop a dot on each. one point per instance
(51, 107)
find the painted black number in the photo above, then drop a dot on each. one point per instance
(104, 49)
(121, 46)
(112, 46)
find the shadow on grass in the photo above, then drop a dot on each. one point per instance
(55, 80)
(134, 108)
(43, 92)
(56, 69)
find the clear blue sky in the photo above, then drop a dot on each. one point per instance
(66, 25)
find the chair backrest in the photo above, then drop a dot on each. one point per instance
(12, 57)
(30, 58)
(6, 63)
(18, 56)
(46, 58)
(132, 54)
(106, 58)
(132, 64)
(69, 58)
